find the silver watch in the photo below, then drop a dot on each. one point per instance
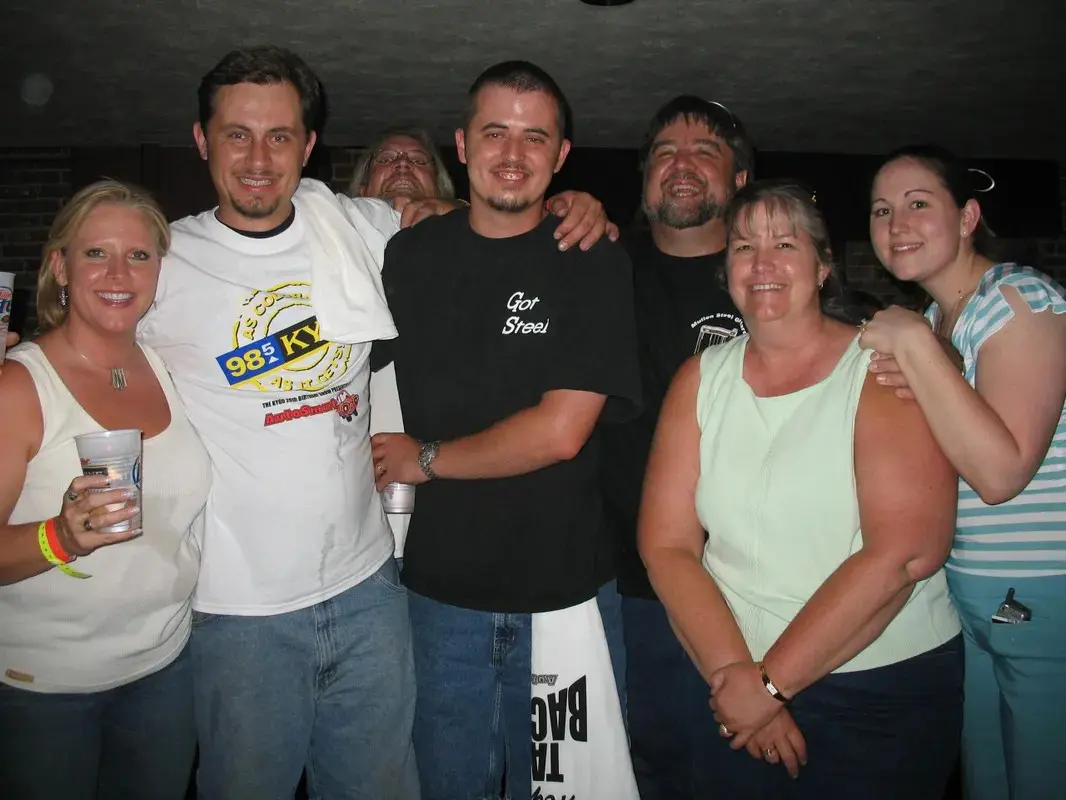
(426, 454)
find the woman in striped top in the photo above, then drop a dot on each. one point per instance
(1002, 424)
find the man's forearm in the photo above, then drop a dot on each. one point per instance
(531, 439)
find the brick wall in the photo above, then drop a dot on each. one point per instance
(34, 184)
(342, 161)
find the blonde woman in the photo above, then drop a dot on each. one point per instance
(95, 685)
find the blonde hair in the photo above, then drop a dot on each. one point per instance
(50, 314)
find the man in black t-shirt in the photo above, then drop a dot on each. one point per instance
(695, 156)
(510, 353)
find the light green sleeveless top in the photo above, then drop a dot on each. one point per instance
(777, 497)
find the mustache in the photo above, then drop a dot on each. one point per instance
(692, 177)
(511, 166)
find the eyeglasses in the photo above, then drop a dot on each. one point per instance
(416, 158)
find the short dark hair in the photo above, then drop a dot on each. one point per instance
(264, 64)
(954, 176)
(718, 119)
(521, 76)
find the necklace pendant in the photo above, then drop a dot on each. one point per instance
(118, 379)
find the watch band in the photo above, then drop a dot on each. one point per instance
(426, 454)
(769, 686)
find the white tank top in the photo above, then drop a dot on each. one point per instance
(132, 617)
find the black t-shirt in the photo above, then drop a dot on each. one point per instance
(486, 327)
(682, 307)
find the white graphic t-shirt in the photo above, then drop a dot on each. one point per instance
(293, 517)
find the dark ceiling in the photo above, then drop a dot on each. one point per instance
(986, 77)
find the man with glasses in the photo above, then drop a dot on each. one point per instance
(402, 165)
(695, 156)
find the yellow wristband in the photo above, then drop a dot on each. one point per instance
(52, 558)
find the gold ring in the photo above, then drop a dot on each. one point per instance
(88, 524)
(724, 731)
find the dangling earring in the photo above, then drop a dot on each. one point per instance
(64, 298)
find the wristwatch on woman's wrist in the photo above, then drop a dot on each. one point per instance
(426, 454)
(769, 686)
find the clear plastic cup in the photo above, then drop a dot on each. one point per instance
(116, 454)
(398, 498)
(7, 293)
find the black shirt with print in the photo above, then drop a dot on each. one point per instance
(682, 307)
(486, 327)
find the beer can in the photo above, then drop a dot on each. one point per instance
(7, 291)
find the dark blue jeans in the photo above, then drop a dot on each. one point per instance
(134, 742)
(890, 733)
(671, 725)
(472, 720)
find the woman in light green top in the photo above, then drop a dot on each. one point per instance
(815, 605)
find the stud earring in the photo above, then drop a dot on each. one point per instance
(64, 297)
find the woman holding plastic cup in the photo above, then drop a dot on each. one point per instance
(95, 584)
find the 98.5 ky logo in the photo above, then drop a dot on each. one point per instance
(278, 344)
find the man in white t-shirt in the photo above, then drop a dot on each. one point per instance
(301, 642)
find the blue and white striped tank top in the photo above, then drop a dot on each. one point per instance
(1026, 536)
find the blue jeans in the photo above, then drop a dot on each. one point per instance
(1012, 746)
(329, 688)
(134, 742)
(671, 724)
(610, 605)
(473, 728)
(879, 734)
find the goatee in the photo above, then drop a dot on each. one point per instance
(508, 204)
(680, 217)
(256, 209)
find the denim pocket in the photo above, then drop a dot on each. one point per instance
(389, 576)
(1040, 637)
